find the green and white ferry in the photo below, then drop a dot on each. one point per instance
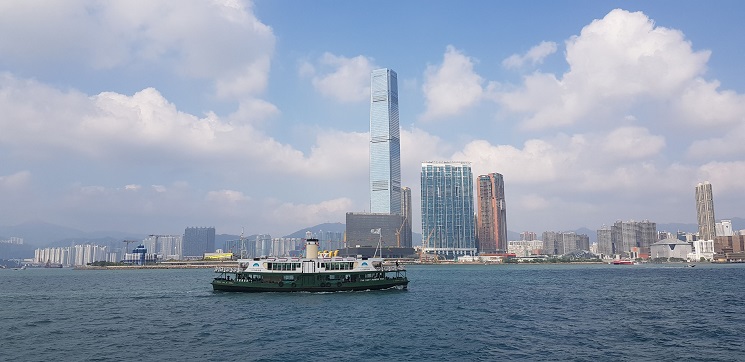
(310, 274)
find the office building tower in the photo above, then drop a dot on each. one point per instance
(705, 211)
(448, 209)
(491, 218)
(197, 241)
(405, 233)
(385, 153)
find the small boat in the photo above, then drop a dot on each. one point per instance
(623, 262)
(310, 274)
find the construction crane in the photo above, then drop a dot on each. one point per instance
(398, 233)
(425, 243)
(129, 242)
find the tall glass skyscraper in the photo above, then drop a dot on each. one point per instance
(447, 209)
(705, 211)
(385, 144)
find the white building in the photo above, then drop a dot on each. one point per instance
(524, 247)
(702, 249)
(670, 248)
(724, 228)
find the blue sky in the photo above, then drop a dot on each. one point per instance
(153, 116)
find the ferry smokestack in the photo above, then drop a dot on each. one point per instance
(311, 248)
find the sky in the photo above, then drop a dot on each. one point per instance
(153, 116)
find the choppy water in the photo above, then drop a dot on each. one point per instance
(503, 312)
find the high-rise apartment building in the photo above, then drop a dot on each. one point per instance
(385, 148)
(627, 236)
(197, 241)
(705, 211)
(448, 209)
(528, 236)
(560, 243)
(491, 218)
(605, 241)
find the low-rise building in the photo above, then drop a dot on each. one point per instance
(670, 248)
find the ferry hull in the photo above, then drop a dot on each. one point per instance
(235, 286)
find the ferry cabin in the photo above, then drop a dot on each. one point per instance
(335, 272)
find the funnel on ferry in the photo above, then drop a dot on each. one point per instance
(311, 248)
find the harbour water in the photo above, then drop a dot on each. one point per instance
(450, 312)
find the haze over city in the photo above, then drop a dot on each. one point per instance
(149, 117)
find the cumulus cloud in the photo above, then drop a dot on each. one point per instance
(219, 41)
(452, 86)
(534, 56)
(726, 177)
(615, 64)
(632, 142)
(341, 78)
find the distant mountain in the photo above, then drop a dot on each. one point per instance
(333, 227)
(40, 233)
(14, 251)
(675, 227)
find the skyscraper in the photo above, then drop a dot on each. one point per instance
(491, 218)
(628, 235)
(385, 152)
(705, 211)
(405, 232)
(198, 240)
(447, 209)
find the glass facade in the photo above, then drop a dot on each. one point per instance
(385, 153)
(448, 209)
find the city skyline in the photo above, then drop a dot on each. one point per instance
(116, 120)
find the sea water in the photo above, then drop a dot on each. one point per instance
(665, 312)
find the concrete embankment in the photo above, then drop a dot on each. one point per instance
(194, 265)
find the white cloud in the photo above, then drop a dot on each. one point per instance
(534, 56)
(452, 86)
(227, 196)
(616, 64)
(219, 41)
(311, 214)
(15, 181)
(726, 177)
(347, 79)
(703, 105)
(632, 142)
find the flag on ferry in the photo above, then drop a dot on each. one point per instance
(375, 231)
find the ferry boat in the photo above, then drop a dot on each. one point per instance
(310, 274)
(623, 262)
